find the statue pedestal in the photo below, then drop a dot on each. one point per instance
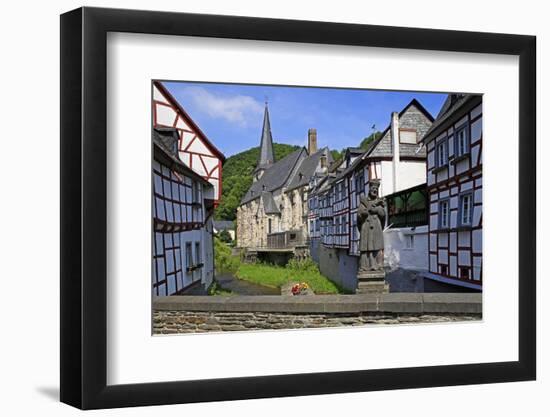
(372, 283)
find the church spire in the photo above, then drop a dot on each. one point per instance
(266, 158)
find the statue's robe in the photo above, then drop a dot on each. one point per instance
(371, 224)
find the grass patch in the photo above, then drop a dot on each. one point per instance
(276, 276)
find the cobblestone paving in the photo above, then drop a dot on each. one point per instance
(172, 322)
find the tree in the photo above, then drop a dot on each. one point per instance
(225, 236)
(365, 143)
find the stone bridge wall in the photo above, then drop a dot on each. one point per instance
(197, 314)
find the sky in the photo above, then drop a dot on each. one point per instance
(231, 115)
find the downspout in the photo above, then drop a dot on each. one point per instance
(395, 148)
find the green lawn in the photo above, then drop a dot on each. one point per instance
(276, 276)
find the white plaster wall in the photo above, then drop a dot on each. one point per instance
(386, 182)
(397, 256)
(411, 173)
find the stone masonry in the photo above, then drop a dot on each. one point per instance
(175, 322)
(190, 314)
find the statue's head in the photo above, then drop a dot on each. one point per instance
(374, 185)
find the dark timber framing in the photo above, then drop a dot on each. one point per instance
(84, 208)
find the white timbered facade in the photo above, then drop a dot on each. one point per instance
(195, 149)
(182, 205)
(454, 179)
(396, 158)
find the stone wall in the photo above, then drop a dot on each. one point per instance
(253, 222)
(175, 322)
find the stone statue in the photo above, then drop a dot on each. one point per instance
(370, 220)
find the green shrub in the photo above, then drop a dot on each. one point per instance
(224, 261)
(305, 264)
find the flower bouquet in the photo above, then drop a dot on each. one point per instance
(300, 288)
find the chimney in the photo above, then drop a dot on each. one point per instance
(395, 147)
(312, 141)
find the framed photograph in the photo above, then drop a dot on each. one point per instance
(257, 208)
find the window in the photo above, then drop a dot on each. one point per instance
(465, 214)
(198, 259)
(409, 241)
(360, 183)
(188, 255)
(268, 225)
(407, 136)
(461, 142)
(444, 214)
(441, 154)
(196, 192)
(443, 269)
(317, 226)
(464, 272)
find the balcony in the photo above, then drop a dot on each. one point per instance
(286, 240)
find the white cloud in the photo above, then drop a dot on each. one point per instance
(237, 109)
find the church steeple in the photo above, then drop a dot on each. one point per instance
(267, 157)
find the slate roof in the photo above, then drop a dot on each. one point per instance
(275, 176)
(223, 225)
(307, 168)
(266, 157)
(270, 207)
(168, 137)
(452, 104)
(323, 184)
(380, 146)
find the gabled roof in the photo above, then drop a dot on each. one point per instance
(372, 146)
(306, 169)
(452, 104)
(189, 120)
(165, 151)
(270, 207)
(275, 176)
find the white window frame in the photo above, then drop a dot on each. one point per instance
(444, 219)
(441, 161)
(470, 209)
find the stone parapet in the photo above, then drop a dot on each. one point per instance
(178, 322)
(392, 303)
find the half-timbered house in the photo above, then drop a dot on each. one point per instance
(396, 158)
(194, 148)
(454, 178)
(182, 206)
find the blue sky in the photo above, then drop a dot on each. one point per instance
(231, 115)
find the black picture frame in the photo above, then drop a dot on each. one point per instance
(84, 207)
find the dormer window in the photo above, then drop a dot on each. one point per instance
(263, 187)
(301, 176)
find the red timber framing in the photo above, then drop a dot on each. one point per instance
(455, 250)
(195, 149)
